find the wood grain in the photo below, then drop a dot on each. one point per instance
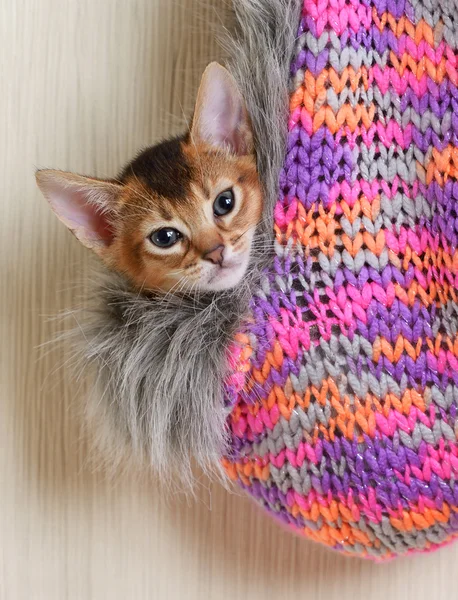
(84, 85)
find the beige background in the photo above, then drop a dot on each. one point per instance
(84, 84)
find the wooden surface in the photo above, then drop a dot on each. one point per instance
(84, 84)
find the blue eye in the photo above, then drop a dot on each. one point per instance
(224, 203)
(166, 237)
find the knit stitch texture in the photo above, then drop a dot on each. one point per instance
(344, 424)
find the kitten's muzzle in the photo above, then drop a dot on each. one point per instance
(215, 255)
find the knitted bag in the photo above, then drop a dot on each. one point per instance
(340, 412)
(346, 426)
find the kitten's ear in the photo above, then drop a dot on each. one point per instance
(86, 206)
(220, 117)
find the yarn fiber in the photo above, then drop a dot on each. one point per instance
(344, 422)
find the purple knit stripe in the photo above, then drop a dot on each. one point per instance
(438, 98)
(397, 8)
(315, 163)
(443, 202)
(378, 466)
(412, 322)
(312, 167)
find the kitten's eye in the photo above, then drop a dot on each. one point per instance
(224, 203)
(166, 237)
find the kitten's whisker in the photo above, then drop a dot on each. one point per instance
(262, 246)
(174, 289)
(242, 234)
(267, 240)
(141, 288)
(260, 234)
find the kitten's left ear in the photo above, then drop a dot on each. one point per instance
(220, 117)
(87, 206)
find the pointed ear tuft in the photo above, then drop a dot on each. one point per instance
(85, 205)
(220, 116)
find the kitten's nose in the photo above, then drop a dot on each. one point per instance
(215, 255)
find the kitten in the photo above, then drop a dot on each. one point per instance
(182, 215)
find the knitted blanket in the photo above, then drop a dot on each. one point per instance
(344, 422)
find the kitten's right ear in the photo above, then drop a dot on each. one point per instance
(220, 117)
(85, 205)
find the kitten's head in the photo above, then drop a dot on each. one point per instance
(182, 215)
